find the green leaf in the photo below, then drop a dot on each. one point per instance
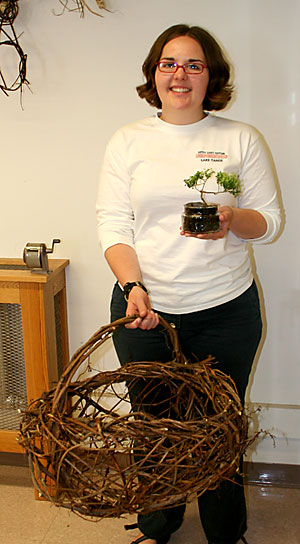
(230, 183)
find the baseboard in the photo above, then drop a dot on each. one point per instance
(13, 459)
(272, 474)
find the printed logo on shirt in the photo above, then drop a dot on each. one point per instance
(214, 156)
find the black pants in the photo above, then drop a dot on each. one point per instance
(231, 333)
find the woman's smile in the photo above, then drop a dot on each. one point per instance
(180, 89)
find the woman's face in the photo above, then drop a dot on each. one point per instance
(182, 94)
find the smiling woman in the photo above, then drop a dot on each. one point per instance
(219, 89)
(182, 91)
(200, 283)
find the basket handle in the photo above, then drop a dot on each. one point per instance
(97, 340)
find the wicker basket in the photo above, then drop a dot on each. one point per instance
(88, 454)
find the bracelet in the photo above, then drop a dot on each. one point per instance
(130, 284)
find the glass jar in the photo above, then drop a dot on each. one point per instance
(200, 218)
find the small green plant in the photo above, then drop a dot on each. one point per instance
(228, 183)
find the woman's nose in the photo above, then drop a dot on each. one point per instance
(180, 73)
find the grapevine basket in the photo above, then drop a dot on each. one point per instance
(185, 433)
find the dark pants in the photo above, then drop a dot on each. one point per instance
(231, 333)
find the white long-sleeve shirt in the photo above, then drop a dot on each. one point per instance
(142, 195)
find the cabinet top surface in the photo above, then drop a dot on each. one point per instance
(23, 274)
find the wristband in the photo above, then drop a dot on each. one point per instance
(130, 284)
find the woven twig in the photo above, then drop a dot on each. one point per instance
(101, 461)
(82, 5)
(8, 12)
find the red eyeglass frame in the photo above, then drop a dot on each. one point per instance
(183, 67)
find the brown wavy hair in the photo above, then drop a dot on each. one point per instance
(219, 90)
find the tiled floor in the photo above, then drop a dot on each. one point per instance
(274, 518)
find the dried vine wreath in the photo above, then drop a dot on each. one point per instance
(8, 12)
(87, 454)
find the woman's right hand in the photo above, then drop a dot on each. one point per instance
(123, 261)
(139, 303)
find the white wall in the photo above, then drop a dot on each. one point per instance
(83, 74)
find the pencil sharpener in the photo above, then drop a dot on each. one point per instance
(35, 255)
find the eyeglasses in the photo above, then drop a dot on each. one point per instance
(170, 67)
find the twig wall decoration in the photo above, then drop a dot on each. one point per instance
(81, 5)
(8, 12)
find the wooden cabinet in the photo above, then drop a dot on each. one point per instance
(33, 339)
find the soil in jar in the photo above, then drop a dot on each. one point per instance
(199, 218)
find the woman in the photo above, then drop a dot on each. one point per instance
(202, 283)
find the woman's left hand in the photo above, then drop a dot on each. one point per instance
(225, 216)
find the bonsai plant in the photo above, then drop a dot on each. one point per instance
(202, 217)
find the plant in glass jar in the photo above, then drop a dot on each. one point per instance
(203, 217)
